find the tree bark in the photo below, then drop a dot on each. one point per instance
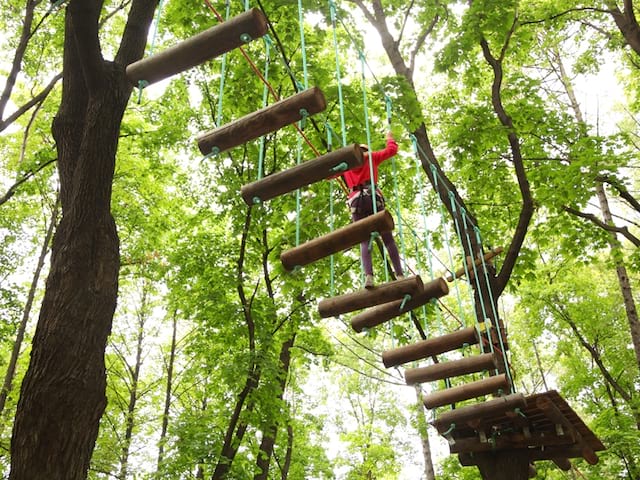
(63, 393)
(503, 465)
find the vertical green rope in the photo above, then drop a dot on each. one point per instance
(142, 83)
(303, 45)
(223, 71)
(423, 209)
(303, 114)
(496, 315)
(427, 243)
(343, 128)
(367, 130)
(331, 212)
(265, 97)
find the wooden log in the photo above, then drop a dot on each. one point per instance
(430, 347)
(337, 241)
(505, 441)
(454, 368)
(302, 174)
(556, 452)
(461, 271)
(562, 463)
(475, 389)
(375, 316)
(553, 413)
(208, 44)
(490, 408)
(263, 121)
(383, 293)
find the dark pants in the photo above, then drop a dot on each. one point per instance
(363, 210)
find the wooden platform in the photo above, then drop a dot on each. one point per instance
(546, 427)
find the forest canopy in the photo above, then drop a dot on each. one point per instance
(150, 329)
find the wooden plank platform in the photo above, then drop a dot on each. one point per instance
(303, 174)
(204, 46)
(555, 436)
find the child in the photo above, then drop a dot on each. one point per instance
(360, 200)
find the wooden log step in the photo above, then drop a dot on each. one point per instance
(263, 121)
(430, 347)
(208, 44)
(383, 293)
(467, 391)
(375, 316)
(462, 271)
(488, 409)
(337, 241)
(303, 174)
(454, 368)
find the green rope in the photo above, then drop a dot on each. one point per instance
(142, 83)
(450, 430)
(331, 213)
(265, 98)
(447, 242)
(495, 313)
(368, 132)
(303, 46)
(332, 8)
(483, 307)
(223, 72)
(423, 209)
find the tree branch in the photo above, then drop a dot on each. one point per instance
(609, 228)
(27, 175)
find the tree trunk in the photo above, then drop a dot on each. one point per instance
(17, 345)
(269, 436)
(167, 395)
(133, 388)
(621, 272)
(284, 473)
(614, 243)
(429, 473)
(503, 465)
(63, 392)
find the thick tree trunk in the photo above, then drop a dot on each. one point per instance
(503, 465)
(63, 393)
(17, 345)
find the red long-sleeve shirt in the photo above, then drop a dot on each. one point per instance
(362, 175)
